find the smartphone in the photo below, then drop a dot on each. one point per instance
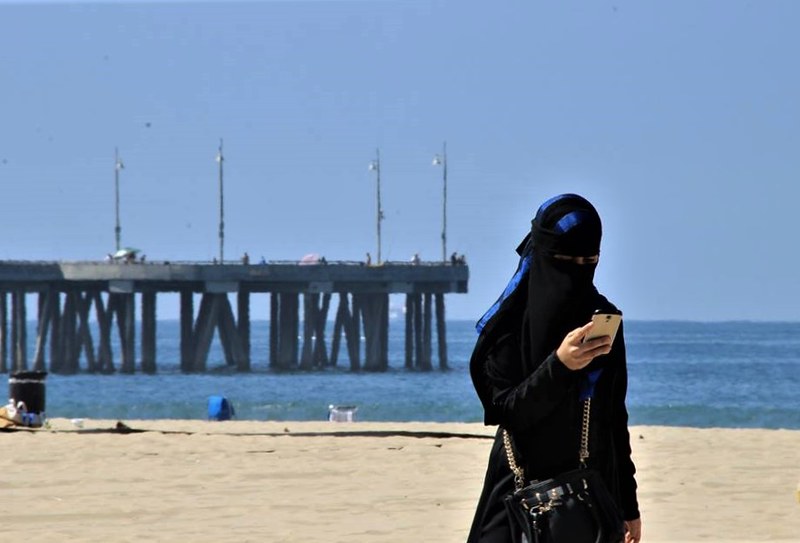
(605, 324)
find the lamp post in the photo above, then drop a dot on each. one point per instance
(375, 166)
(442, 161)
(117, 167)
(220, 159)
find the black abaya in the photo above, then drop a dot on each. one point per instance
(526, 389)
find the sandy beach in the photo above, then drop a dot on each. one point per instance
(198, 481)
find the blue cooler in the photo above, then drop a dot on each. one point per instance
(219, 408)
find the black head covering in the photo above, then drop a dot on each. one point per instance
(547, 297)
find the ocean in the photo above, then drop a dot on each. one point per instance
(724, 374)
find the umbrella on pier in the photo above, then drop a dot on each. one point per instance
(309, 259)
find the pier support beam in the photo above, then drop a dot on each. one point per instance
(67, 363)
(274, 320)
(104, 312)
(226, 326)
(56, 345)
(126, 318)
(243, 320)
(419, 344)
(284, 325)
(347, 323)
(314, 353)
(3, 331)
(375, 311)
(187, 324)
(427, 348)
(441, 332)
(352, 332)
(320, 349)
(46, 299)
(419, 352)
(310, 303)
(288, 324)
(148, 362)
(229, 334)
(207, 317)
(19, 330)
(338, 326)
(84, 336)
(409, 318)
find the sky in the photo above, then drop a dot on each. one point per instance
(678, 120)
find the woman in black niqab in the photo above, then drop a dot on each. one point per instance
(530, 367)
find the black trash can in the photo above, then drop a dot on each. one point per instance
(28, 387)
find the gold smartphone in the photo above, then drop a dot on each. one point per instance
(605, 324)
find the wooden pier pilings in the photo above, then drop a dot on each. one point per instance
(86, 310)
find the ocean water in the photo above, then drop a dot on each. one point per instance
(729, 374)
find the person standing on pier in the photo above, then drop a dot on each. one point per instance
(530, 368)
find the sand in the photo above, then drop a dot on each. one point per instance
(198, 481)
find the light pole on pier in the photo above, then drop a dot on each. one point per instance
(375, 166)
(442, 161)
(117, 167)
(220, 159)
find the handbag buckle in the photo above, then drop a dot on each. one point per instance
(544, 507)
(555, 493)
(545, 502)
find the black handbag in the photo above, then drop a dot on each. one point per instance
(573, 507)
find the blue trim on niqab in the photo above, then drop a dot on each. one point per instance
(550, 202)
(513, 284)
(568, 221)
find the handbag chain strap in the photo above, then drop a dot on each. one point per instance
(519, 473)
(583, 454)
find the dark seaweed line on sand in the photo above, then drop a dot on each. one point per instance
(124, 429)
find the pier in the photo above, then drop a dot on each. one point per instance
(70, 293)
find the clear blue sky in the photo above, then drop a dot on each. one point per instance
(680, 120)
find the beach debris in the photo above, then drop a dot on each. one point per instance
(342, 413)
(16, 414)
(123, 428)
(6, 420)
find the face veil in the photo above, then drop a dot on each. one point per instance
(560, 295)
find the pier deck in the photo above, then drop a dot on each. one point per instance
(389, 277)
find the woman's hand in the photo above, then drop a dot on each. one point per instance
(633, 531)
(575, 354)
